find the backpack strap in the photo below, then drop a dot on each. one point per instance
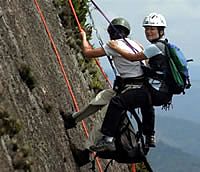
(139, 123)
(139, 134)
(165, 42)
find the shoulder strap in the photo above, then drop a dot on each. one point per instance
(165, 42)
(139, 133)
(139, 123)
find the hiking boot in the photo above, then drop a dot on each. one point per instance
(103, 145)
(151, 141)
(69, 121)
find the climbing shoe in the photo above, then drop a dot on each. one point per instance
(69, 121)
(103, 145)
(151, 141)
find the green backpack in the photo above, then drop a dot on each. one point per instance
(178, 67)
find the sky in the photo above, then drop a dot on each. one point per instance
(183, 20)
(182, 16)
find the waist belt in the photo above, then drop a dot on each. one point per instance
(126, 83)
(133, 80)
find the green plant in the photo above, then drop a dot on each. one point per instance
(8, 124)
(68, 20)
(95, 83)
(3, 113)
(67, 17)
(48, 108)
(58, 3)
(140, 167)
(21, 159)
(20, 155)
(27, 76)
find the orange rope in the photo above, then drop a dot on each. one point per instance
(104, 74)
(80, 28)
(60, 62)
(64, 73)
(74, 12)
(133, 169)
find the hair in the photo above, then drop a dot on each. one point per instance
(117, 32)
(161, 29)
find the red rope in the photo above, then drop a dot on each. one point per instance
(64, 73)
(133, 169)
(60, 63)
(76, 18)
(104, 74)
(80, 28)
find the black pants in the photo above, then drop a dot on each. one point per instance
(133, 98)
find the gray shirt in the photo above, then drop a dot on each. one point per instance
(124, 67)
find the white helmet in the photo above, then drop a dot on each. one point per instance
(154, 19)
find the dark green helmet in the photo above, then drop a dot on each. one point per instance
(120, 22)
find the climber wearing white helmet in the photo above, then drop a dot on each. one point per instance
(154, 25)
(154, 19)
(157, 70)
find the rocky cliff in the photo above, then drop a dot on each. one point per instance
(33, 91)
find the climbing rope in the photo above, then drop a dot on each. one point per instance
(133, 167)
(80, 29)
(63, 71)
(60, 63)
(75, 16)
(116, 30)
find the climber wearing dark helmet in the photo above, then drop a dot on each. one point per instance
(129, 82)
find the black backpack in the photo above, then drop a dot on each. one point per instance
(170, 68)
(130, 147)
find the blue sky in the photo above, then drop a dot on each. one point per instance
(182, 19)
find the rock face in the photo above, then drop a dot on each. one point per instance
(33, 91)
